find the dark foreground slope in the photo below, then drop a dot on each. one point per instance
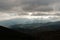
(6, 33)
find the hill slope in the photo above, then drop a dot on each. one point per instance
(6, 33)
(44, 32)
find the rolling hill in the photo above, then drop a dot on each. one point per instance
(46, 31)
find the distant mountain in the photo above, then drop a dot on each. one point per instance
(28, 28)
(51, 26)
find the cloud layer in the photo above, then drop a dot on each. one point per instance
(25, 5)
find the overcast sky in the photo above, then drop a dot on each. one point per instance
(24, 5)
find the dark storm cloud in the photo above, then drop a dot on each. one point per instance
(25, 5)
